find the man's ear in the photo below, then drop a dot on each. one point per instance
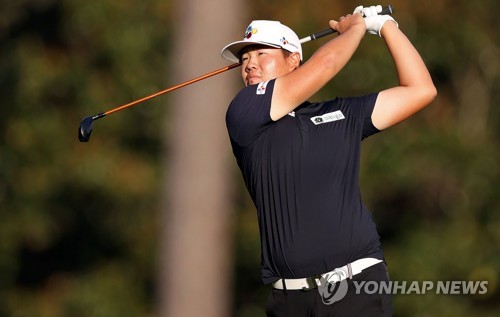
(294, 60)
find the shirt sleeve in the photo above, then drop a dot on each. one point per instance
(363, 106)
(248, 113)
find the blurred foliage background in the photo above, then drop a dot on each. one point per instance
(78, 222)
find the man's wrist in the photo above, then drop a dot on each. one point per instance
(358, 28)
(387, 26)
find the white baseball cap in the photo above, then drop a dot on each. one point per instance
(270, 33)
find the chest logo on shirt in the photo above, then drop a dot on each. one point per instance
(328, 117)
(261, 88)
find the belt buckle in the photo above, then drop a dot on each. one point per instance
(311, 283)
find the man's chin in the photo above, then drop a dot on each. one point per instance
(254, 81)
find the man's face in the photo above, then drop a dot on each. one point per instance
(261, 63)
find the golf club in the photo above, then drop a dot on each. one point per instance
(86, 125)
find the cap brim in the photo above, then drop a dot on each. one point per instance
(232, 51)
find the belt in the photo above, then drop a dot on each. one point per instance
(337, 275)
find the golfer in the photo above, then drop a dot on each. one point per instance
(300, 160)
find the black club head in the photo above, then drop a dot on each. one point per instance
(85, 129)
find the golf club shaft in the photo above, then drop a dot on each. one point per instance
(191, 81)
(385, 10)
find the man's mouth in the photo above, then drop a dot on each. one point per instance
(251, 79)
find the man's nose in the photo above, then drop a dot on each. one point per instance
(251, 64)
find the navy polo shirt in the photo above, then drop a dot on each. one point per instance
(302, 172)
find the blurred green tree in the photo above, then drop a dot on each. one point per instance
(77, 221)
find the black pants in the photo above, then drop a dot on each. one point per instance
(310, 303)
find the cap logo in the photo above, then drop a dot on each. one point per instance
(284, 42)
(249, 32)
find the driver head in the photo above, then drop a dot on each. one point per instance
(85, 129)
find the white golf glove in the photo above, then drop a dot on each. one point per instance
(373, 20)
